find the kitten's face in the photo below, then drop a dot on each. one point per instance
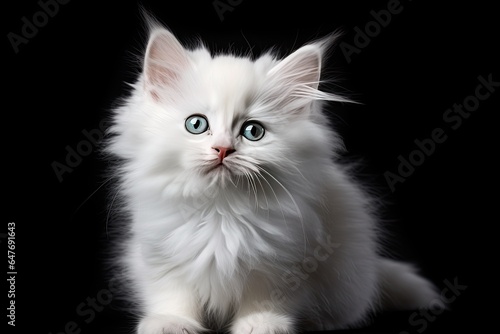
(216, 129)
(220, 133)
(214, 121)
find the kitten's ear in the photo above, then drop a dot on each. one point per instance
(301, 68)
(293, 82)
(164, 62)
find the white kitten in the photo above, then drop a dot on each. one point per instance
(240, 217)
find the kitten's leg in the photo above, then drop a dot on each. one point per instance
(262, 311)
(171, 308)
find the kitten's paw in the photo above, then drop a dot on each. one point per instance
(263, 323)
(168, 324)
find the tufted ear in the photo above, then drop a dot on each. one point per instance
(164, 62)
(293, 82)
(301, 68)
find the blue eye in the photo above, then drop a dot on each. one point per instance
(252, 130)
(196, 124)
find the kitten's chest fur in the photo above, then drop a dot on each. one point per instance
(215, 241)
(223, 229)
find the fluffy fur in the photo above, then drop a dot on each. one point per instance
(272, 238)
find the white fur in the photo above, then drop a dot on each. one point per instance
(279, 238)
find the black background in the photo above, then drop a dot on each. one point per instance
(66, 79)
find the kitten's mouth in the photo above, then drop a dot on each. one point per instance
(226, 168)
(217, 168)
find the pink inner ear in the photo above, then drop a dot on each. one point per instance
(165, 60)
(161, 75)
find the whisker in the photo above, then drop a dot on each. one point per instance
(90, 196)
(237, 181)
(275, 196)
(254, 173)
(293, 201)
(253, 186)
(263, 191)
(109, 212)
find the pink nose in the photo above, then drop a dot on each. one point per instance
(223, 152)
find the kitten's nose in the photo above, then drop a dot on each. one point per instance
(223, 152)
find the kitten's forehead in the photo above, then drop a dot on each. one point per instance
(230, 84)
